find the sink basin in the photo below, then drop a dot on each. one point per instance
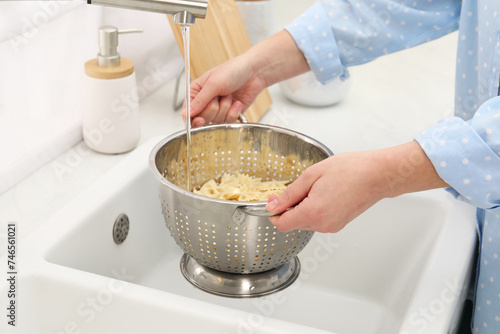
(401, 267)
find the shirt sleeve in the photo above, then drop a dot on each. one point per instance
(467, 155)
(335, 34)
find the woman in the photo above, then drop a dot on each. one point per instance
(460, 153)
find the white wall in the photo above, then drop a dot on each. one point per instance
(287, 10)
(43, 47)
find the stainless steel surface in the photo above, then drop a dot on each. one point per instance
(108, 42)
(121, 228)
(240, 286)
(178, 102)
(183, 18)
(213, 231)
(259, 211)
(195, 8)
(242, 118)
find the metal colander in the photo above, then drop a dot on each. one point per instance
(231, 236)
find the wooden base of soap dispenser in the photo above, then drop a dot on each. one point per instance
(217, 38)
(92, 69)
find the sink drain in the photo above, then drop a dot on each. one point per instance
(120, 228)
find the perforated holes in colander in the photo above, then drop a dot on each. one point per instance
(236, 249)
(207, 244)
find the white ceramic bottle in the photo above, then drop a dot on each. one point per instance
(111, 119)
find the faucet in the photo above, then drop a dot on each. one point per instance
(184, 11)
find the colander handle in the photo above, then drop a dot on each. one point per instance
(258, 210)
(242, 118)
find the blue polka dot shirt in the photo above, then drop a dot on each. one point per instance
(465, 150)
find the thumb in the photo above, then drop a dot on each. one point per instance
(292, 195)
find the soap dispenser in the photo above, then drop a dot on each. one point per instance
(111, 120)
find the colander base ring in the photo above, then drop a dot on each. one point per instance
(239, 285)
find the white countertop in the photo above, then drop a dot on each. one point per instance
(392, 99)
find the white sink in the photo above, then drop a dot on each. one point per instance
(401, 267)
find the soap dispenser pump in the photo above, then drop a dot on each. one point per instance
(111, 119)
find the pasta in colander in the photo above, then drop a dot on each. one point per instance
(241, 187)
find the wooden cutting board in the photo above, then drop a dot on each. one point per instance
(217, 38)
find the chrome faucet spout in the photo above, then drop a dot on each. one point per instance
(184, 11)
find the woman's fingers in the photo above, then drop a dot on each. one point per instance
(206, 116)
(183, 110)
(295, 219)
(202, 95)
(234, 112)
(198, 122)
(225, 104)
(297, 192)
(293, 194)
(218, 111)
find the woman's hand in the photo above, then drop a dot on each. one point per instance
(334, 191)
(221, 94)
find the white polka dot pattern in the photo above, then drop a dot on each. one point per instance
(336, 34)
(356, 32)
(470, 164)
(463, 154)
